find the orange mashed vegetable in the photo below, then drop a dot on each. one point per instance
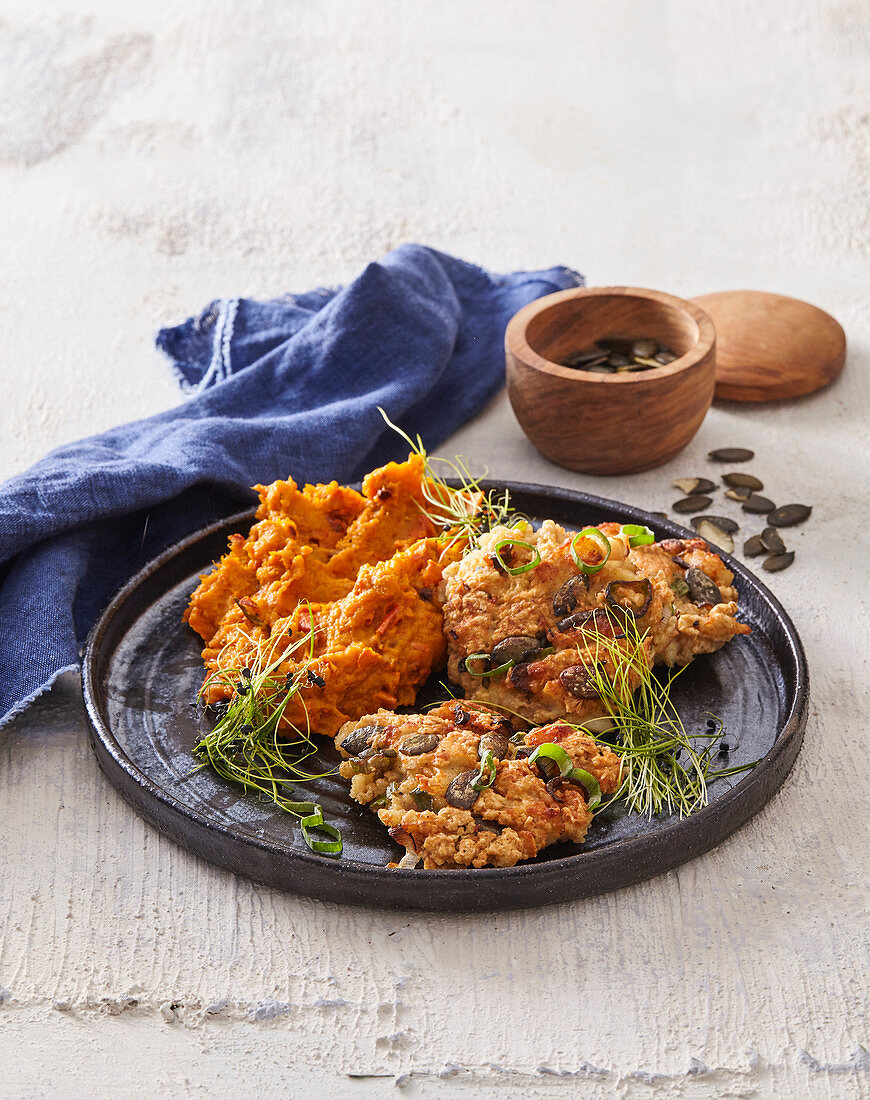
(356, 572)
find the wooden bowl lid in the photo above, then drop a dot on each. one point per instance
(769, 346)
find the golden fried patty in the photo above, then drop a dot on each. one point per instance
(547, 621)
(415, 771)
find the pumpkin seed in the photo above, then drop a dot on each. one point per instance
(731, 454)
(360, 739)
(702, 589)
(584, 359)
(569, 595)
(460, 793)
(758, 505)
(692, 485)
(788, 515)
(692, 504)
(743, 481)
(617, 359)
(753, 546)
(420, 743)
(602, 369)
(516, 648)
(496, 742)
(716, 535)
(771, 540)
(739, 494)
(596, 621)
(578, 681)
(722, 522)
(777, 562)
(664, 356)
(644, 348)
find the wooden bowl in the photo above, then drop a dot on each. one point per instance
(609, 423)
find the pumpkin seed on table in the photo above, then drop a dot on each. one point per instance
(731, 454)
(771, 540)
(753, 547)
(777, 562)
(743, 481)
(722, 522)
(738, 494)
(717, 535)
(694, 485)
(789, 514)
(757, 505)
(692, 504)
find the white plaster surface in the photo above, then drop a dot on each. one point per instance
(154, 155)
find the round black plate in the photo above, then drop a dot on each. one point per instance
(142, 669)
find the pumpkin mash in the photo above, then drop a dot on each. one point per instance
(344, 583)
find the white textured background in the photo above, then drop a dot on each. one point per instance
(154, 155)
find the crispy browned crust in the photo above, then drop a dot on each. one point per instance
(510, 821)
(483, 604)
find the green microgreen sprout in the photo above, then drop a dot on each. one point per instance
(665, 769)
(245, 747)
(463, 514)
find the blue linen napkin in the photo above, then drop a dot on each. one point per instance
(288, 387)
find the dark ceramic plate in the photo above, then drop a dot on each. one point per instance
(142, 669)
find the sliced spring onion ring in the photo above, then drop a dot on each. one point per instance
(602, 546)
(488, 763)
(514, 571)
(589, 783)
(555, 753)
(638, 535)
(485, 657)
(567, 770)
(315, 822)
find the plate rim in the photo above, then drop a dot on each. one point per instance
(102, 736)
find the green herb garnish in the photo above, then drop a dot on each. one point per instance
(465, 513)
(665, 769)
(638, 535)
(245, 747)
(486, 673)
(487, 766)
